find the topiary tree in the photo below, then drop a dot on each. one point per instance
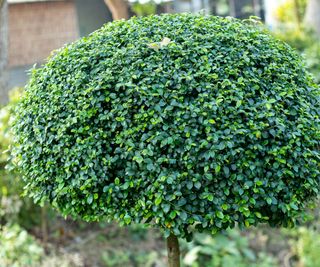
(184, 122)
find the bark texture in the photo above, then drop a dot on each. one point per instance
(118, 8)
(173, 251)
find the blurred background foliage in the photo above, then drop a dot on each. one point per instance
(291, 12)
(290, 15)
(31, 235)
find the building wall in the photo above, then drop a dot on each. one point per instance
(92, 15)
(38, 28)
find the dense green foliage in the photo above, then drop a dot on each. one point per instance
(178, 120)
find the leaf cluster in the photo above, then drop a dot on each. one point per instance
(219, 126)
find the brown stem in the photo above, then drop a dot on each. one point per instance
(173, 251)
(44, 225)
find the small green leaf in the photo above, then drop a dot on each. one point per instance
(158, 201)
(219, 214)
(268, 105)
(294, 206)
(172, 214)
(197, 185)
(226, 171)
(241, 191)
(210, 197)
(89, 199)
(217, 169)
(166, 207)
(183, 216)
(150, 167)
(127, 219)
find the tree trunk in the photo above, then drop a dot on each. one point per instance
(173, 251)
(213, 7)
(312, 17)
(232, 8)
(297, 11)
(3, 51)
(118, 8)
(44, 224)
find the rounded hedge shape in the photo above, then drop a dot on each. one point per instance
(179, 120)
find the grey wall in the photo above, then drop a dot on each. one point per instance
(92, 14)
(18, 76)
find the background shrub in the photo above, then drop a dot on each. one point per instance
(306, 247)
(224, 250)
(180, 120)
(18, 248)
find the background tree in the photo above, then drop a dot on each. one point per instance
(173, 129)
(291, 13)
(118, 8)
(312, 18)
(213, 7)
